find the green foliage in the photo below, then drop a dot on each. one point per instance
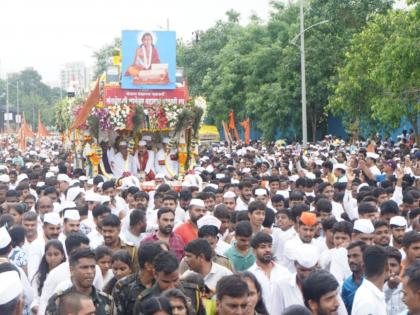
(33, 95)
(103, 56)
(254, 70)
(381, 75)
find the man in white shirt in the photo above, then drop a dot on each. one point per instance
(411, 288)
(118, 205)
(51, 230)
(287, 291)
(59, 277)
(122, 162)
(71, 224)
(163, 161)
(95, 236)
(30, 223)
(321, 293)
(369, 297)
(144, 162)
(133, 234)
(282, 233)
(245, 196)
(198, 255)
(306, 232)
(265, 269)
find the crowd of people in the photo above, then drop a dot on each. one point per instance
(268, 229)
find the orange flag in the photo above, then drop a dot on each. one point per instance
(245, 125)
(23, 133)
(42, 131)
(91, 101)
(231, 120)
(22, 140)
(27, 132)
(232, 126)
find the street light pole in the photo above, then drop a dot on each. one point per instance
(17, 101)
(7, 102)
(303, 76)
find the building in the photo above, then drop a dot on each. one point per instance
(76, 76)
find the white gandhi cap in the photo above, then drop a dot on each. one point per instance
(229, 195)
(72, 214)
(11, 286)
(260, 192)
(307, 255)
(52, 218)
(209, 219)
(5, 238)
(364, 226)
(398, 221)
(197, 202)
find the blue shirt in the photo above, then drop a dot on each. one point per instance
(348, 291)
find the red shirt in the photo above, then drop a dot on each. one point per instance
(187, 231)
(176, 244)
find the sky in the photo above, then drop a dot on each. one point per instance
(46, 34)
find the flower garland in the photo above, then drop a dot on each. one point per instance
(103, 115)
(118, 116)
(172, 112)
(156, 118)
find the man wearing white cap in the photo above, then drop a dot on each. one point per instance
(189, 230)
(5, 296)
(122, 162)
(398, 226)
(51, 230)
(10, 291)
(288, 291)
(71, 223)
(163, 158)
(76, 195)
(363, 230)
(340, 172)
(229, 200)
(63, 185)
(144, 162)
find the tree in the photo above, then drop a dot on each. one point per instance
(380, 77)
(397, 72)
(34, 95)
(104, 55)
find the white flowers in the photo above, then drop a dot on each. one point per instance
(118, 116)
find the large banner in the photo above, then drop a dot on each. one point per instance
(148, 60)
(147, 98)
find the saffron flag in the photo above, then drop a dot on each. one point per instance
(27, 132)
(233, 127)
(231, 120)
(246, 126)
(23, 133)
(91, 101)
(42, 131)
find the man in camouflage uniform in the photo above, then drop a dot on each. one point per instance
(129, 288)
(167, 277)
(82, 268)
